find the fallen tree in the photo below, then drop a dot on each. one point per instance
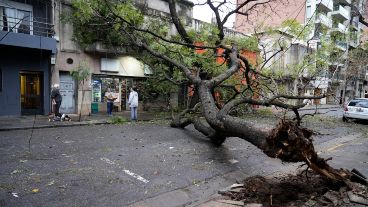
(175, 60)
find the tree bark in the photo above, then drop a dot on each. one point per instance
(287, 141)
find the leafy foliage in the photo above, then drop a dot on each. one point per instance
(107, 28)
(117, 120)
(81, 72)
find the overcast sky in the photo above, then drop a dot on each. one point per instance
(205, 13)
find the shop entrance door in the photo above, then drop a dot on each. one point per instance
(67, 88)
(31, 93)
(317, 92)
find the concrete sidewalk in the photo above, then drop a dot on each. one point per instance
(310, 108)
(325, 106)
(42, 121)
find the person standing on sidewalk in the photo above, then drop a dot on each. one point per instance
(133, 103)
(110, 98)
(56, 99)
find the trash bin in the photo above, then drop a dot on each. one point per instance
(94, 108)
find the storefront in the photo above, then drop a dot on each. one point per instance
(120, 86)
(118, 74)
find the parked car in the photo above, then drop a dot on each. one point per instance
(356, 109)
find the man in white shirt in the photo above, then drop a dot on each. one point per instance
(110, 98)
(133, 103)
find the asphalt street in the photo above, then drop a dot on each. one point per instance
(118, 165)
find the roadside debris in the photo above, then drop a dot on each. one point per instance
(357, 198)
(15, 172)
(233, 161)
(35, 190)
(51, 183)
(297, 190)
(15, 195)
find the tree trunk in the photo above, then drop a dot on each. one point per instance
(287, 141)
(80, 111)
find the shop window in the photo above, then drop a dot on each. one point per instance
(100, 86)
(118, 85)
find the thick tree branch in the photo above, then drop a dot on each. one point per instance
(179, 26)
(182, 67)
(180, 120)
(355, 12)
(234, 61)
(187, 44)
(239, 7)
(219, 24)
(273, 55)
(268, 102)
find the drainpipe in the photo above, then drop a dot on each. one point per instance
(52, 66)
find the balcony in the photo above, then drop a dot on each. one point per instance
(325, 5)
(230, 33)
(323, 19)
(22, 30)
(341, 13)
(343, 1)
(354, 43)
(99, 47)
(342, 45)
(355, 24)
(198, 24)
(340, 28)
(361, 76)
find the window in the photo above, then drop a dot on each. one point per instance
(359, 103)
(15, 17)
(309, 12)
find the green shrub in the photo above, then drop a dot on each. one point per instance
(117, 120)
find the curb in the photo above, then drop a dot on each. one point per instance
(72, 124)
(307, 109)
(54, 126)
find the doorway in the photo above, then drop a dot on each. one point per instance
(31, 93)
(317, 92)
(67, 91)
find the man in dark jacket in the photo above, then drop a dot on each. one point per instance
(56, 99)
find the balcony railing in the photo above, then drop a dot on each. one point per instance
(198, 24)
(342, 28)
(325, 4)
(341, 12)
(342, 45)
(345, 1)
(26, 25)
(355, 24)
(323, 19)
(354, 43)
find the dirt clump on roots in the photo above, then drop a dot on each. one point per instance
(294, 190)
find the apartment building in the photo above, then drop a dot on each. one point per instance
(27, 48)
(334, 16)
(111, 67)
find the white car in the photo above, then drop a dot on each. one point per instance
(356, 109)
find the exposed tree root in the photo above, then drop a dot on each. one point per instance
(288, 141)
(292, 143)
